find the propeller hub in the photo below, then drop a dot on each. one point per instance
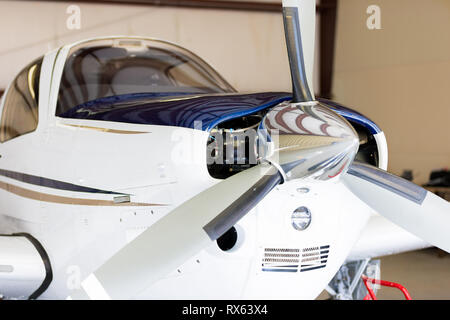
(307, 139)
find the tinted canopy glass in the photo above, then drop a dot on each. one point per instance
(20, 110)
(115, 67)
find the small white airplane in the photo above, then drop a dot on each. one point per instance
(130, 169)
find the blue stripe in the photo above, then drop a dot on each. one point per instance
(50, 183)
(245, 112)
(352, 115)
(184, 110)
(178, 111)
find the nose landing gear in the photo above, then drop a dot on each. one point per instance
(360, 280)
(371, 295)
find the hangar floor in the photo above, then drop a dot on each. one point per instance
(425, 273)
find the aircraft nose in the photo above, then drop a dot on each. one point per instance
(307, 139)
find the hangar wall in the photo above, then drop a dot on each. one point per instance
(247, 48)
(400, 77)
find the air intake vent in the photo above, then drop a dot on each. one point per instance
(294, 260)
(280, 260)
(314, 258)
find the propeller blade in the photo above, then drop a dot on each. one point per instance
(299, 17)
(409, 206)
(182, 233)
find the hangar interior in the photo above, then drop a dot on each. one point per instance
(398, 74)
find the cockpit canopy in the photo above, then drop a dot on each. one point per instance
(20, 106)
(122, 66)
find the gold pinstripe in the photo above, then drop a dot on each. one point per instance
(39, 196)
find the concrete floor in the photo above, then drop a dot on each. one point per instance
(425, 273)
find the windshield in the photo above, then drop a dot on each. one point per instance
(113, 67)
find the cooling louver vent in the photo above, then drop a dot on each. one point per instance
(281, 260)
(293, 260)
(314, 258)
